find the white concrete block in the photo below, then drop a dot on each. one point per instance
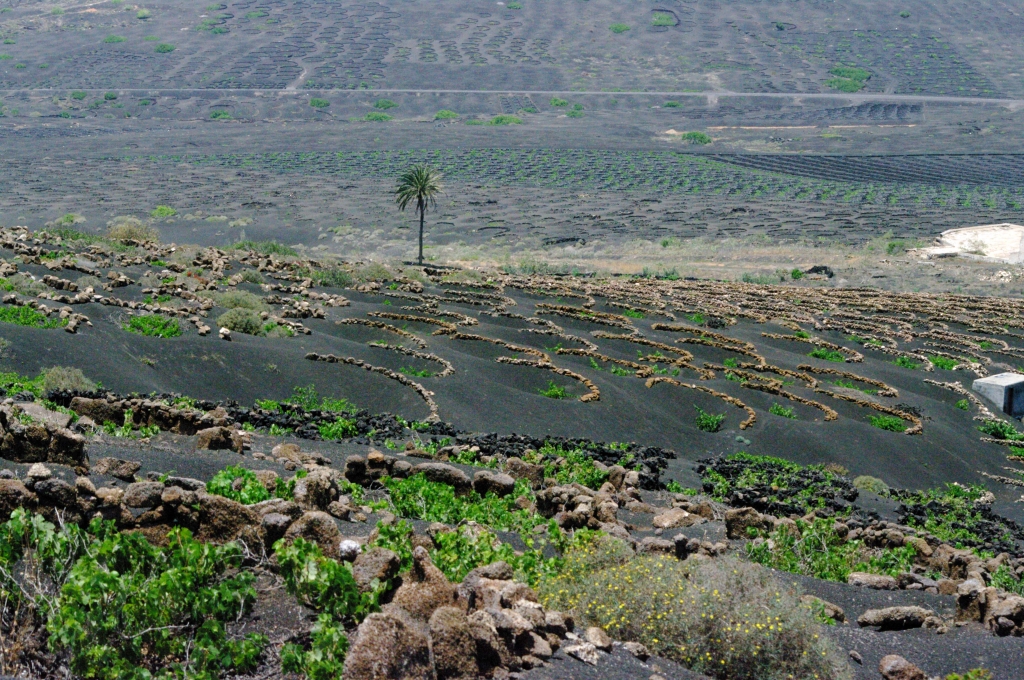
(1005, 390)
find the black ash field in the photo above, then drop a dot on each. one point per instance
(672, 396)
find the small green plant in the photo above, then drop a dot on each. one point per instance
(663, 19)
(384, 104)
(783, 411)
(633, 313)
(796, 274)
(279, 431)
(906, 15)
(963, 405)
(872, 484)
(241, 320)
(671, 105)
(848, 78)
(415, 373)
(265, 247)
(888, 423)
(242, 485)
(557, 102)
(696, 138)
(161, 212)
(164, 48)
(109, 96)
(675, 487)
(1000, 429)
(153, 325)
(708, 422)
(619, 28)
(505, 120)
(220, 114)
(377, 117)
(318, 103)
(555, 391)
(311, 400)
(445, 114)
(826, 354)
(26, 316)
(944, 363)
(79, 95)
(143, 14)
(341, 428)
(906, 362)
(114, 39)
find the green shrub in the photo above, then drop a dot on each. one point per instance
(872, 484)
(265, 248)
(963, 405)
(110, 96)
(241, 320)
(418, 498)
(26, 316)
(905, 362)
(377, 116)
(506, 120)
(725, 618)
(123, 229)
(708, 422)
(250, 490)
(79, 95)
(309, 399)
(663, 19)
(555, 391)
(944, 363)
(888, 423)
(671, 105)
(143, 14)
(815, 549)
(164, 48)
(1000, 429)
(1005, 579)
(619, 28)
(239, 299)
(153, 325)
(318, 103)
(384, 104)
(64, 378)
(796, 274)
(127, 606)
(952, 514)
(331, 277)
(555, 101)
(826, 354)
(695, 138)
(220, 114)
(576, 467)
(341, 428)
(783, 411)
(114, 39)
(322, 584)
(445, 114)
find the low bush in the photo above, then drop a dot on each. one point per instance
(122, 608)
(445, 114)
(888, 423)
(944, 363)
(555, 391)
(1000, 429)
(569, 466)
(506, 120)
(265, 248)
(122, 229)
(953, 514)
(815, 549)
(220, 114)
(112, 39)
(64, 378)
(783, 411)
(241, 320)
(696, 138)
(872, 484)
(663, 19)
(708, 422)
(164, 48)
(26, 316)
(239, 299)
(242, 485)
(318, 103)
(826, 354)
(725, 618)
(377, 117)
(557, 102)
(311, 400)
(153, 325)
(162, 211)
(905, 362)
(341, 428)
(618, 28)
(384, 104)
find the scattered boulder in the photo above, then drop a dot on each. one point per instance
(637, 650)
(876, 581)
(520, 469)
(115, 467)
(219, 438)
(389, 646)
(895, 618)
(143, 494)
(378, 564)
(738, 520)
(832, 611)
(318, 527)
(452, 644)
(425, 588)
(100, 410)
(485, 481)
(597, 637)
(444, 474)
(14, 495)
(675, 518)
(584, 651)
(222, 519)
(894, 667)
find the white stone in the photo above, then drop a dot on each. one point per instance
(1005, 390)
(993, 242)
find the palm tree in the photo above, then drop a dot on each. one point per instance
(422, 184)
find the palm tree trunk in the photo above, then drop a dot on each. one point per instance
(422, 208)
